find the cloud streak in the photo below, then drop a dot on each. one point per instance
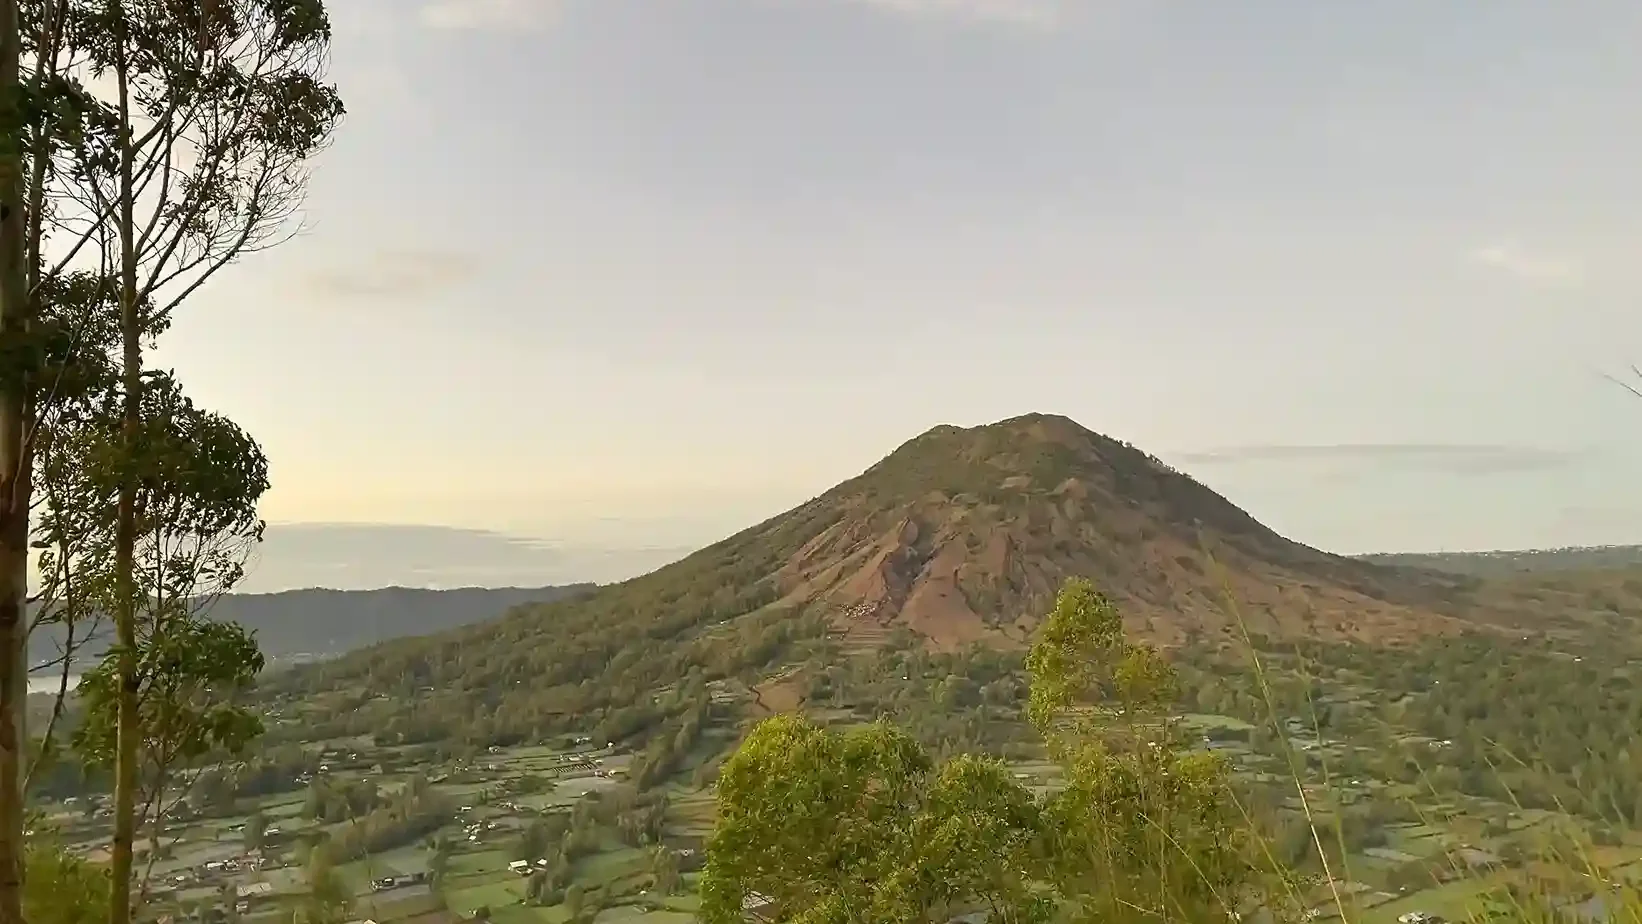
(491, 15)
(1529, 267)
(353, 556)
(1449, 458)
(396, 273)
(475, 15)
(1035, 13)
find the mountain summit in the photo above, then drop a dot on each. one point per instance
(963, 535)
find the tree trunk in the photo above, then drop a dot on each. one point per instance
(14, 473)
(125, 531)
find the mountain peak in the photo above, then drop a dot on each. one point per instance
(963, 534)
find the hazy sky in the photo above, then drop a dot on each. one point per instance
(619, 273)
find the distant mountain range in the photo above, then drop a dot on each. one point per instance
(297, 625)
(1494, 564)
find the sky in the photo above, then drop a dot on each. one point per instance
(599, 281)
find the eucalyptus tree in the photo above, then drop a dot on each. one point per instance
(49, 124)
(14, 384)
(200, 479)
(216, 110)
(77, 328)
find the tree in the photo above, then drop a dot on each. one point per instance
(33, 120)
(664, 867)
(50, 127)
(328, 896)
(201, 478)
(256, 826)
(61, 888)
(861, 826)
(1138, 825)
(858, 826)
(15, 315)
(537, 839)
(439, 863)
(591, 905)
(218, 107)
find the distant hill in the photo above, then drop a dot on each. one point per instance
(302, 624)
(1494, 564)
(959, 537)
(963, 535)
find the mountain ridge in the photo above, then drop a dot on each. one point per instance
(959, 537)
(1494, 562)
(919, 534)
(323, 622)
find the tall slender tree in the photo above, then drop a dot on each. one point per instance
(217, 108)
(200, 480)
(14, 468)
(49, 124)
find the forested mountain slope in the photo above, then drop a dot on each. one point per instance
(959, 537)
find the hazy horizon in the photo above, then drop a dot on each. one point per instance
(1362, 269)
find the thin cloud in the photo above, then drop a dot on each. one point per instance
(492, 15)
(473, 15)
(1035, 13)
(1451, 458)
(377, 86)
(1511, 259)
(396, 273)
(352, 556)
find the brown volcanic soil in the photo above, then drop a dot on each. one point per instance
(964, 535)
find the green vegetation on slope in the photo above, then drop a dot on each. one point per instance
(1319, 805)
(1493, 564)
(961, 535)
(817, 825)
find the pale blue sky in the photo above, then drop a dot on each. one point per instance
(640, 272)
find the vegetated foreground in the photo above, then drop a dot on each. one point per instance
(562, 760)
(1391, 759)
